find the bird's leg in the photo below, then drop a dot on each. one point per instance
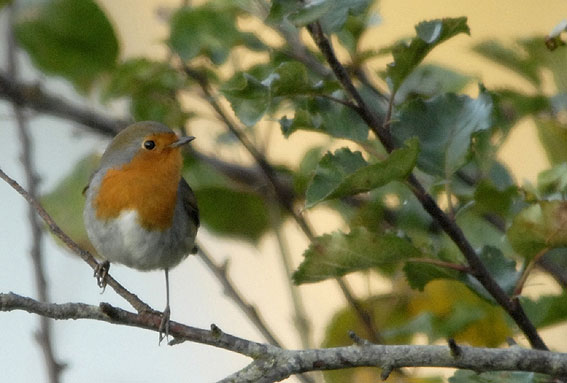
(100, 272)
(164, 325)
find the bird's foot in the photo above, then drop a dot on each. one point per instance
(101, 272)
(164, 325)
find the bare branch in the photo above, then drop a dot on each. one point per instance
(221, 273)
(43, 334)
(273, 364)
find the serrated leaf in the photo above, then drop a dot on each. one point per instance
(331, 171)
(249, 98)
(444, 126)
(289, 79)
(69, 38)
(332, 180)
(334, 255)
(539, 226)
(233, 213)
(324, 116)
(204, 30)
(429, 34)
(65, 203)
(396, 167)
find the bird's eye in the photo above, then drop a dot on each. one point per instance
(149, 144)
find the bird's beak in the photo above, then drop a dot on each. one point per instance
(182, 141)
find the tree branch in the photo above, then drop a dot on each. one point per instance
(43, 334)
(273, 364)
(479, 271)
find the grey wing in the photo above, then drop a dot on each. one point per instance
(189, 201)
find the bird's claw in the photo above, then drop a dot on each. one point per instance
(164, 325)
(100, 273)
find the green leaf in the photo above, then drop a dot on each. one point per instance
(249, 98)
(310, 12)
(334, 255)
(430, 80)
(553, 136)
(466, 376)
(233, 213)
(539, 226)
(205, 30)
(332, 14)
(419, 274)
(66, 202)
(445, 126)
(429, 35)
(69, 38)
(547, 310)
(491, 199)
(152, 89)
(331, 171)
(328, 117)
(502, 269)
(553, 181)
(289, 79)
(512, 58)
(397, 166)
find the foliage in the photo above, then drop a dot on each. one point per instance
(447, 140)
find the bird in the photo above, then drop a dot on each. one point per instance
(139, 210)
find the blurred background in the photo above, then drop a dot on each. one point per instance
(99, 352)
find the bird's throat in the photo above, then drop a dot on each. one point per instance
(148, 184)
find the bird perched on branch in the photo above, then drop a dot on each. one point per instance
(139, 211)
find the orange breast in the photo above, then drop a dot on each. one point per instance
(148, 184)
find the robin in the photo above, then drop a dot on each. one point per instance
(139, 211)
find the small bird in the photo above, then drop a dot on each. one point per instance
(139, 211)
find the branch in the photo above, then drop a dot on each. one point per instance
(134, 301)
(43, 334)
(221, 273)
(273, 364)
(33, 97)
(479, 271)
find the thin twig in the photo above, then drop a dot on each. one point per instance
(221, 273)
(301, 319)
(527, 270)
(43, 335)
(479, 271)
(134, 301)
